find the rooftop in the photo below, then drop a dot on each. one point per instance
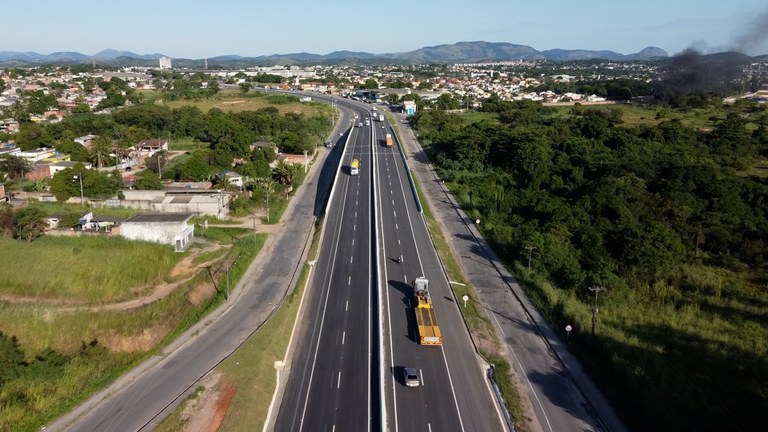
(159, 217)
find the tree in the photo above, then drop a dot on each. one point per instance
(30, 223)
(148, 180)
(14, 166)
(195, 168)
(371, 83)
(100, 149)
(69, 220)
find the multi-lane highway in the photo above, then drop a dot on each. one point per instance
(360, 307)
(454, 394)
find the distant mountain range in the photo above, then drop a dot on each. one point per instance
(460, 52)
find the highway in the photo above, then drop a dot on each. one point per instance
(330, 386)
(454, 392)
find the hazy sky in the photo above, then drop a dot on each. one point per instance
(197, 28)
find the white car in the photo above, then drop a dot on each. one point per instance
(411, 377)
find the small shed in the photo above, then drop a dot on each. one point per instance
(168, 228)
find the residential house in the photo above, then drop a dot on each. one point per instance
(86, 140)
(38, 155)
(151, 146)
(9, 126)
(166, 228)
(295, 159)
(60, 166)
(9, 148)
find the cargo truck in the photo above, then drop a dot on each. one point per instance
(380, 117)
(390, 143)
(429, 332)
(354, 167)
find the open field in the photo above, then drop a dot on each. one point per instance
(83, 269)
(85, 348)
(238, 102)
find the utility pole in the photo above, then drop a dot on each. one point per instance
(530, 251)
(596, 290)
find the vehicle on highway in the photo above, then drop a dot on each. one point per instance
(354, 167)
(390, 143)
(429, 331)
(410, 377)
(360, 124)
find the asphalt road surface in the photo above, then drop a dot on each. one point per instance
(330, 385)
(454, 394)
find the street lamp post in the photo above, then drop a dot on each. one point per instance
(79, 176)
(596, 290)
(530, 251)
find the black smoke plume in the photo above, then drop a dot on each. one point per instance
(691, 73)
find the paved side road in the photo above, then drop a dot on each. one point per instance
(562, 395)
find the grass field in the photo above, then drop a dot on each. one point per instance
(98, 345)
(83, 269)
(237, 102)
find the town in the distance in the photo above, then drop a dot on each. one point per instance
(533, 241)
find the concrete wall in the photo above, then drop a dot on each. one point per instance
(175, 234)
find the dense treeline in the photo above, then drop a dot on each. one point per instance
(225, 136)
(649, 212)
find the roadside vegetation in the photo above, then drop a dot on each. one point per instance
(662, 212)
(249, 376)
(67, 337)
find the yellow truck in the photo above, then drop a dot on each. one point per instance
(429, 331)
(354, 167)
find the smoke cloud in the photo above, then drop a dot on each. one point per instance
(754, 36)
(691, 72)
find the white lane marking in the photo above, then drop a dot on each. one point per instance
(343, 337)
(398, 241)
(338, 380)
(355, 214)
(346, 306)
(349, 282)
(405, 278)
(421, 375)
(429, 426)
(530, 386)
(396, 226)
(353, 242)
(352, 258)
(395, 213)
(393, 202)
(354, 227)
(453, 391)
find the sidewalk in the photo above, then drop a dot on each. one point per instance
(499, 293)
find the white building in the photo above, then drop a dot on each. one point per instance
(37, 155)
(60, 166)
(211, 202)
(166, 228)
(165, 63)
